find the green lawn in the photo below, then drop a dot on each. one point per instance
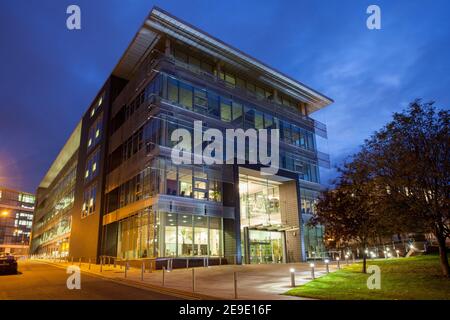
(404, 278)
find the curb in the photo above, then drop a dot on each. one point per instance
(142, 285)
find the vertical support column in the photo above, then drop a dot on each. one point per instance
(237, 214)
(167, 49)
(300, 221)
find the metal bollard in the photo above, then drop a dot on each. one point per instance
(220, 261)
(142, 271)
(187, 263)
(101, 264)
(312, 265)
(327, 266)
(89, 264)
(193, 279)
(151, 267)
(79, 262)
(163, 274)
(292, 270)
(114, 262)
(338, 264)
(235, 284)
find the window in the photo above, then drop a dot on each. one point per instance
(200, 102)
(95, 132)
(92, 166)
(89, 199)
(225, 109)
(97, 105)
(132, 145)
(172, 90)
(259, 122)
(186, 95)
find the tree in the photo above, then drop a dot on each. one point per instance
(410, 159)
(348, 212)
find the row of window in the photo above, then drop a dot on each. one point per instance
(126, 150)
(164, 178)
(231, 110)
(232, 79)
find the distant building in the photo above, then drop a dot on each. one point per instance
(113, 189)
(16, 218)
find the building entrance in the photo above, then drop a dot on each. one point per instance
(266, 246)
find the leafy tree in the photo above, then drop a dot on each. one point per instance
(410, 158)
(348, 212)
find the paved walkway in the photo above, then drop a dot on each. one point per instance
(254, 282)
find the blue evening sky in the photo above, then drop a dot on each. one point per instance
(49, 75)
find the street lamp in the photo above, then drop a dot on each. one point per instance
(338, 265)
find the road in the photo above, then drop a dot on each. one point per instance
(38, 280)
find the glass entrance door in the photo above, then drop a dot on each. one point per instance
(266, 246)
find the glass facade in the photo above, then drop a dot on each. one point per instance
(260, 201)
(313, 236)
(164, 234)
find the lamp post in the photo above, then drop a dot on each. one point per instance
(327, 266)
(398, 253)
(338, 264)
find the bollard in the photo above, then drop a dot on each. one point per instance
(292, 270)
(79, 262)
(234, 259)
(109, 262)
(204, 262)
(312, 270)
(193, 279)
(187, 263)
(235, 284)
(338, 264)
(89, 264)
(71, 260)
(326, 265)
(142, 271)
(101, 264)
(220, 261)
(163, 271)
(126, 268)
(114, 262)
(151, 266)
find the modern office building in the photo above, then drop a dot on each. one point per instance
(16, 218)
(114, 190)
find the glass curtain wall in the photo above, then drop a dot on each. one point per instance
(260, 201)
(184, 235)
(137, 236)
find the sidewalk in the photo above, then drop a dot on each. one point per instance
(254, 282)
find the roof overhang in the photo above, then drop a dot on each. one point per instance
(160, 22)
